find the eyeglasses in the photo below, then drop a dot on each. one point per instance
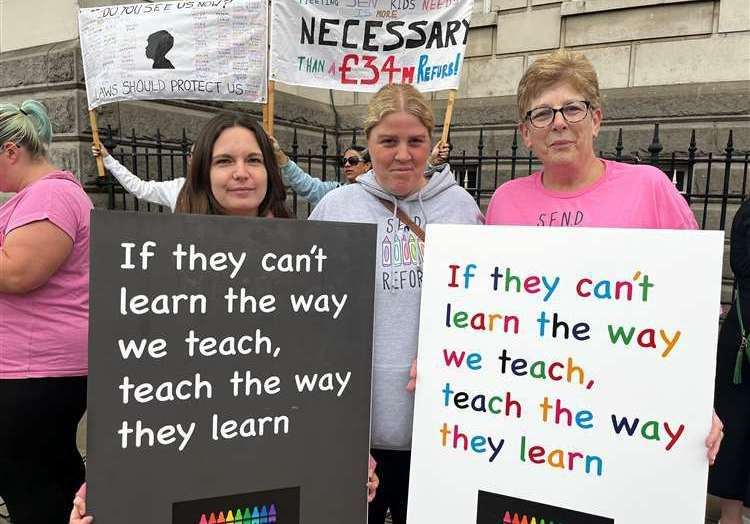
(571, 112)
(351, 161)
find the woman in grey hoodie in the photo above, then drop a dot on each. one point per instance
(393, 193)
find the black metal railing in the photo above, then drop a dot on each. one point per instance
(713, 183)
(712, 195)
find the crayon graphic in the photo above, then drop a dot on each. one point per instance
(396, 250)
(405, 248)
(414, 249)
(386, 252)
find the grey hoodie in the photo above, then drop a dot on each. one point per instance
(398, 284)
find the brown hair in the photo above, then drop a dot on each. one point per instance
(393, 98)
(561, 66)
(196, 196)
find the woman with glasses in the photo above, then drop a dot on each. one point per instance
(560, 113)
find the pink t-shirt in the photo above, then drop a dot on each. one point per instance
(636, 196)
(44, 333)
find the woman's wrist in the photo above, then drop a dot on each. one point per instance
(282, 159)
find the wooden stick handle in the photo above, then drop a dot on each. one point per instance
(268, 124)
(96, 141)
(448, 115)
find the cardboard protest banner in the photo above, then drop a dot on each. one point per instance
(207, 50)
(363, 45)
(229, 369)
(565, 375)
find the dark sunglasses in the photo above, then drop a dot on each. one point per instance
(351, 161)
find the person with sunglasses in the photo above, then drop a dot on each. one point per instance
(355, 161)
(560, 112)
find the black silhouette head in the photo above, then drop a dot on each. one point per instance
(159, 44)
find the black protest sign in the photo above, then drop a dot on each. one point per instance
(229, 369)
(493, 508)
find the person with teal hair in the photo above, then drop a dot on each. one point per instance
(44, 305)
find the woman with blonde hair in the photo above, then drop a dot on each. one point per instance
(44, 303)
(397, 197)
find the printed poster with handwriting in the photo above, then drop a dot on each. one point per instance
(362, 45)
(565, 375)
(195, 49)
(229, 369)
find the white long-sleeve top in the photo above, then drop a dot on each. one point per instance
(165, 192)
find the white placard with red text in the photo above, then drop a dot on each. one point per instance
(361, 45)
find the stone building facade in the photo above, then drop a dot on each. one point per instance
(683, 63)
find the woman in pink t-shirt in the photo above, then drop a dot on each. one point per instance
(44, 276)
(560, 114)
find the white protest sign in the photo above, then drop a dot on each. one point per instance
(362, 45)
(209, 50)
(565, 375)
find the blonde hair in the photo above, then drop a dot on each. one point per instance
(27, 126)
(393, 98)
(561, 66)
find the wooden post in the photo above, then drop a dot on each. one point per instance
(448, 115)
(96, 141)
(270, 86)
(268, 108)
